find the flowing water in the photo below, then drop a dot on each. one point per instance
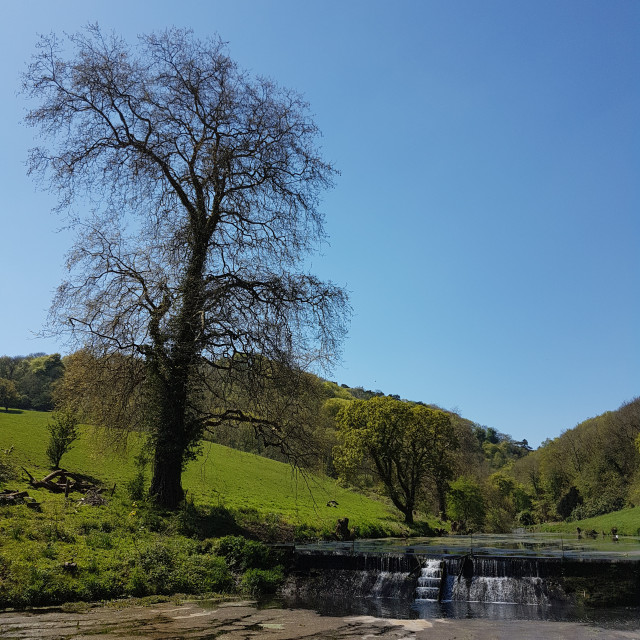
(495, 577)
(430, 581)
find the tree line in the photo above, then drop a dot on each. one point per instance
(29, 382)
(591, 469)
(424, 459)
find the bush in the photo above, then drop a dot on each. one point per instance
(137, 584)
(177, 567)
(261, 581)
(105, 585)
(63, 430)
(202, 574)
(135, 487)
(242, 554)
(526, 518)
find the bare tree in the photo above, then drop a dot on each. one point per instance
(199, 187)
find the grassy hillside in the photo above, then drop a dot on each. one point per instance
(627, 521)
(219, 477)
(126, 547)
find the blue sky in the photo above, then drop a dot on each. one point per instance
(487, 216)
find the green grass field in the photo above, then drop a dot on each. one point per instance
(127, 547)
(219, 477)
(626, 521)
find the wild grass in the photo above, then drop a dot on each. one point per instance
(127, 547)
(626, 521)
(267, 491)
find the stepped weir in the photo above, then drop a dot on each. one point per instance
(482, 579)
(435, 580)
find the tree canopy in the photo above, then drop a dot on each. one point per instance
(196, 192)
(402, 444)
(35, 378)
(589, 470)
(9, 395)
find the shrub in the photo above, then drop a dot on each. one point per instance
(103, 585)
(526, 518)
(137, 583)
(260, 581)
(177, 567)
(135, 487)
(242, 554)
(202, 574)
(63, 430)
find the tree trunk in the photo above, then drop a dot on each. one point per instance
(170, 445)
(174, 431)
(166, 484)
(442, 502)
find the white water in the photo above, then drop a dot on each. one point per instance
(491, 581)
(503, 590)
(429, 581)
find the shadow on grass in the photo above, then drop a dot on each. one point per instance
(12, 411)
(208, 522)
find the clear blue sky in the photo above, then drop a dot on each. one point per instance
(487, 219)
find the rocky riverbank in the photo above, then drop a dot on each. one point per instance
(243, 620)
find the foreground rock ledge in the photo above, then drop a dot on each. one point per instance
(242, 620)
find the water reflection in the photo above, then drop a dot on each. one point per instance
(621, 618)
(519, 544)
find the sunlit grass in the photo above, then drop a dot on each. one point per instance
(219, 477)
(626, 521)
(128, 547)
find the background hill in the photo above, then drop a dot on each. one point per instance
(590, 470)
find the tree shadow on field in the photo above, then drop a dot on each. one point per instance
(208, 522)
(14, 411)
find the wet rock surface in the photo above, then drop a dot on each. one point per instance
(243, 620)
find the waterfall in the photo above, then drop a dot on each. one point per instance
(525, 590)
(482, 579)
(442, 583)
(348, 576)
(430, 581)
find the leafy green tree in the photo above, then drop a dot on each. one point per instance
(467, 503)
(35, 377)
(9, 366)
(399, 443)
(39, 379)
(63, 431)
(9, 395)
(589, 470)
(505, 499)
(205, 185)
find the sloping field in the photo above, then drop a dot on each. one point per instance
(626, 521)
(219, 477)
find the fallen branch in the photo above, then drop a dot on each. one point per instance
(13, 497)
(18, 497)
(67, 482)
